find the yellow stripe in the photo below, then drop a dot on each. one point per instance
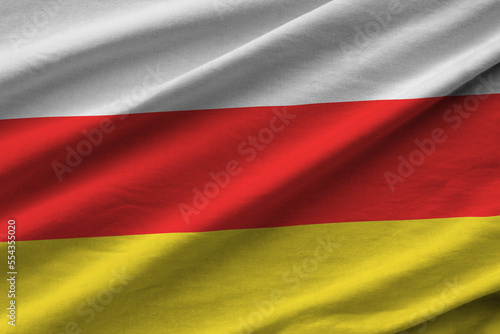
(363, 277)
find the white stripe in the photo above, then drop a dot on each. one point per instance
(94, 58)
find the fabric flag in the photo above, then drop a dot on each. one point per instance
(259, 166)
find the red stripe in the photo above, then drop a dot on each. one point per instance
(327, 165)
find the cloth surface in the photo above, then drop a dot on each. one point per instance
(261, 166)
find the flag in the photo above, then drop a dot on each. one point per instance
(231, 166)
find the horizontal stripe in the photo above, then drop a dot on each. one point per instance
(157, 172)
(199, 54)
(366, 277)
